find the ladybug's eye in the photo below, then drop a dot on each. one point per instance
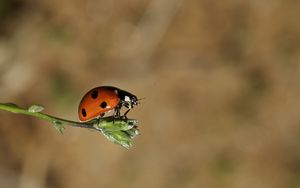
(94, 94)
(103, 104)
(83, 112)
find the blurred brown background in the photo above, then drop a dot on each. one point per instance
(220, 78)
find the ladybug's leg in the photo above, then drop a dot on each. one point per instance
(99, 117)
(117, 112)
(124, 115)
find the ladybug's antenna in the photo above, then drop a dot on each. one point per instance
(140, 99)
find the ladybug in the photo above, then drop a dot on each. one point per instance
(96, 102)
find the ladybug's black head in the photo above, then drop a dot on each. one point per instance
(126, 99)
(130, 101)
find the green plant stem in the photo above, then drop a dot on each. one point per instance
(117, 130)
(18, 110)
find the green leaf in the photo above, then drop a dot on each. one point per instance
(118, 137)
(111, 124)
(35, 108)
(119, 131)
(59, 126)
(133, 132)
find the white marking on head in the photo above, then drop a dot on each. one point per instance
(127, 99)
(116, 91)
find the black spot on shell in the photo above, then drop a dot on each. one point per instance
(103, 104)
(83, 112)
(94, 94)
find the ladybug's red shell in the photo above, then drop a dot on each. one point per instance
(96, 102)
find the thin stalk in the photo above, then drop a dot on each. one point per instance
(18, 110)
(117, 130)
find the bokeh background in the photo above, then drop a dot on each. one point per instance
(220, 81)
